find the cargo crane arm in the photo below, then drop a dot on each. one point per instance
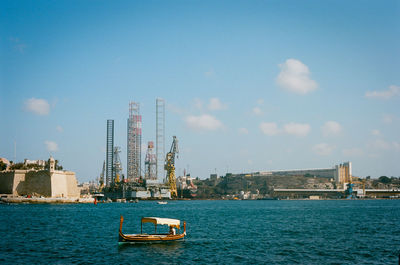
(170, 167)
(350, 186)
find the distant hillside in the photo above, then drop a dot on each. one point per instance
(233, 184)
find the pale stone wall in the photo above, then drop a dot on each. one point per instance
(58, 185)
(72, 185)
(40, 183)
(19, 182)
(64, 184)
(12, 182)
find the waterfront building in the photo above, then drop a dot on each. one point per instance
(339, 173)
(343, 173)
(28, 162)
(49, 182)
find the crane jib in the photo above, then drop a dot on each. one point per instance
(170, 167)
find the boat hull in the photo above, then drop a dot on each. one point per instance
(153, 238)
(141, 239)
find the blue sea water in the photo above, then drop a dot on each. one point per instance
(219, 232)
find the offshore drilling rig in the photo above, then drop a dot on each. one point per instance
(150, 163)
(149, 183)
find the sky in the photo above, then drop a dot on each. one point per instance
(249, 85)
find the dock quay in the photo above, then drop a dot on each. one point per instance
(43, 200)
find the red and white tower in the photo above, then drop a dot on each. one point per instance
(134, 142)
(150, 162)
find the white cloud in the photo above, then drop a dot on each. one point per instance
(396, 146)
(323, 149)
(198, 103)
(257, 111)
(295, 77)
(175, 109)
(51, 146)
(216, 104)
(210, 73)
(379, 144)
(38, 106)
(269, 128)
(352, 152)
(382, 145)
(331, 128)
(298, 129)
(387, 118)
(203, 122)
(59, 128)
(375, 132)
(243, 131)
(384, 94)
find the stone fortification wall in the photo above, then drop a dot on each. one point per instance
(37, 183)
(6, 182)
(40, 183)
(11, 182)
(64, 184)
(18, 182)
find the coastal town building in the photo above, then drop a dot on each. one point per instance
(339, 173)
(28, 162)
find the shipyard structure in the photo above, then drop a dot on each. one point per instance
(152, 180)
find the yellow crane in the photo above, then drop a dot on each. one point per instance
(170, 167)
(101, 182)
(358, 182)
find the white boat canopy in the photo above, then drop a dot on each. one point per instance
(162, 221)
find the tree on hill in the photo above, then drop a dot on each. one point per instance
(18, 166)
(3, 166)
(57, 165)
(384, 179)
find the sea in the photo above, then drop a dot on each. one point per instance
(218, 232)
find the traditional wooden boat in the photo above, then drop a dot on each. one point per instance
(156, 237)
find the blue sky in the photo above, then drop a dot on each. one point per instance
(249, 85)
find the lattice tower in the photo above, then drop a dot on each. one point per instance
(150, 162)
(160, 138)
(117, 165)
(134, 142)
(109, 152)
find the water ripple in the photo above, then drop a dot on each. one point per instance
(219, 232)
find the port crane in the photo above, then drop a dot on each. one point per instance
(350, 186)
(362, 182)
(117, 165)
(101, 183)
(170, 167)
